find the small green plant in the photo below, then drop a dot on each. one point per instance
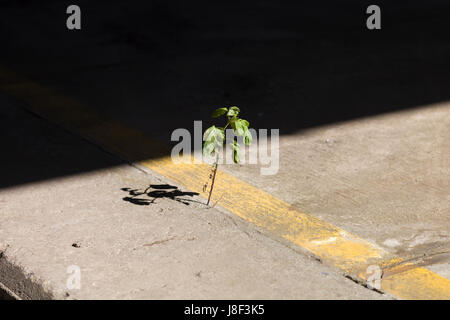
(214, 140)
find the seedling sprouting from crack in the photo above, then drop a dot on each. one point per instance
(214, 140)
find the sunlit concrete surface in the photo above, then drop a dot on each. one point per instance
(364, 120)
(384, 178)
(172, 248)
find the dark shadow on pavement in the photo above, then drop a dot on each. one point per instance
(159, 65)
(149, 196)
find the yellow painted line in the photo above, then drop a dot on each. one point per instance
(409, 281)
(331, 244)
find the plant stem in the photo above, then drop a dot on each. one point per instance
(215, 170)
(213, 178)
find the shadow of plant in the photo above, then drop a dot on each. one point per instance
(156, 191)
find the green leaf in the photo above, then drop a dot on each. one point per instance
(233, 123)
(218, 112)
(214, 138)
(248, 137)
(236, 152)
(214, 133)
(208, 148)
(219, 136)
(240, 127)
(209, 133)
(233, 111)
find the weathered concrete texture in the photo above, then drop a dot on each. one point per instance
(167, 249)
(384, 178)
(7, 294)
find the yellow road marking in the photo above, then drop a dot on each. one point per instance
(331, 244)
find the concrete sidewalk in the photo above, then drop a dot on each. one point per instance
(363, 116)
(132, 249)
(384, 178)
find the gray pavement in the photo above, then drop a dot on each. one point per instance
(378, 167)
(385, 178)
(170, 249)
